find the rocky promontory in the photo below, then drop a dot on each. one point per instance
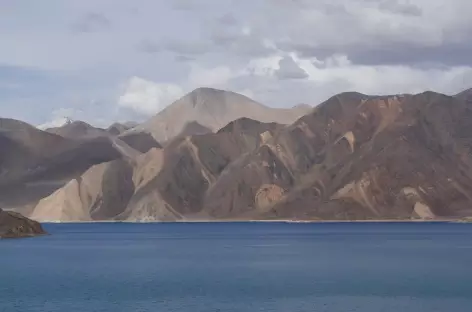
(15, 225)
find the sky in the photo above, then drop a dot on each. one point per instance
(118, 60)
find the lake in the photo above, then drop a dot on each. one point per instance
(278, 267)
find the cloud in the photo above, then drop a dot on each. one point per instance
(210, 77)
(264, 66)
(91, 22)
(148, 46)
(282, 52)
(288, 69)
(372, 32)
(228, 19)
(397, 7)
(148, 98)
(185, 5)
(187, 47)
(61, 117)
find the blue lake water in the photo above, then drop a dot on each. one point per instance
(282, 267)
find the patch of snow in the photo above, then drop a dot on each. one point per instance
(60, 122)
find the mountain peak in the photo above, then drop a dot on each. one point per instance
(60, 122)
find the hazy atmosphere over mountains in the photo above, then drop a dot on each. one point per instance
(110, 60)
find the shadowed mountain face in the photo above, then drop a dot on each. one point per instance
(212, 109)
(141, 141)
(34, 163)
(14, 225)
(118, 128)
(352, 157)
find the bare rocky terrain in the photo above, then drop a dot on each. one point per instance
(14, 225)
(353, 157)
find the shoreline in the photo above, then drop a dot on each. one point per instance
(269, 221)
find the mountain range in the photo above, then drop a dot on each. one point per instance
(218, 155)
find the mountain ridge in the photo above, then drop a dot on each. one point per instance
(353, 157)
(212, 109)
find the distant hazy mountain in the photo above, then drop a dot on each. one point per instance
(78, 130)
(118, 128)
(353, 157)
(213, 109)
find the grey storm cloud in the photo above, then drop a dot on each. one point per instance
(290, 70)
(374, 32)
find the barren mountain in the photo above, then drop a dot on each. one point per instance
(14, 225)
(359, 157)
(78, 130)
(140, 141)
(151, 185)
(118, 128)
(34, 163)
(352, 157)
(213, 109)
(465, 95)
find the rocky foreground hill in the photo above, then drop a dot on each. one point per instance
(14, 225)
(353, 157)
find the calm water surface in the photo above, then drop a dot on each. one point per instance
(240, 267)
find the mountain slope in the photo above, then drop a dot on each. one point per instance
(358, 157)
(34, 163)
(78, 130)
(163, 184)
(118, 128)
(213, 109)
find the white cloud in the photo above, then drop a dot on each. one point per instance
(265, 66)
(289, 69)
(60, 117)
(55, 123)
(385, 79)
(210, 77)
(147, 97)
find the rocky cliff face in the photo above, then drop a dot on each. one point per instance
(14, 225)
(353, 157)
